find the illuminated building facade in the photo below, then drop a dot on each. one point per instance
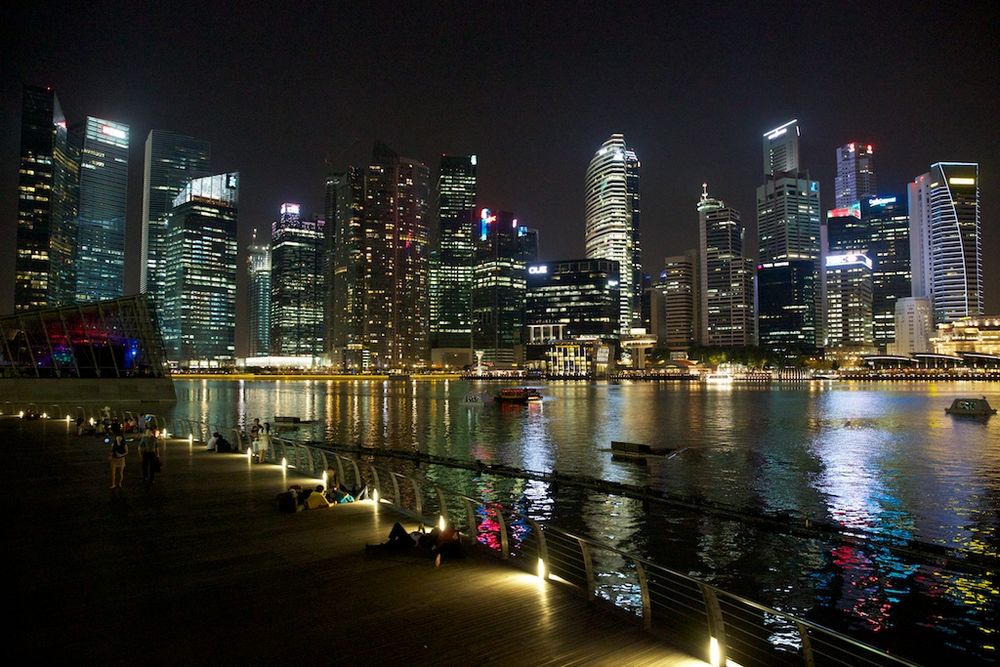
(786, 314)
(914, 325)
(345, 275)
(499, 285)
(725, 275)
(297, 294)
(849, 302)
(396, 258)
(571, 299)
(946, 253)
(788, 227)
(199, 304)
(100, 223)
(455, 254)
(48, 179)
(680, 287)
(171, 160)
(888, 226)
(612, 220)
(970, 334)
(259, 298)
(855, 180)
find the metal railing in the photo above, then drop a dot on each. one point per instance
(707, 621)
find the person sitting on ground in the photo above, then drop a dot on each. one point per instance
(436, 544)
(213, 442)
(316, 499)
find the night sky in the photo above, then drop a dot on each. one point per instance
(280, 89)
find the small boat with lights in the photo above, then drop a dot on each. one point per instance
(518, 395)
(720, 377)
(970, 407)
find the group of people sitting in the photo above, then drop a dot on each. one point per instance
(436, 544)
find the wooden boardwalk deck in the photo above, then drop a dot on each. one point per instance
(203, 569)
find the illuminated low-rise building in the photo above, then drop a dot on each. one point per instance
(971, 334)
(914, 326)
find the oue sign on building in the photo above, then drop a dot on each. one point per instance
(535, 270)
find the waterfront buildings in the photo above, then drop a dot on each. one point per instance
(452, 261)
(100, 222)
(888, 225)
(945, 240)
(199, 304)
(572, 313)
(788, 226)
(979, 335)
(346, 268)
(171, 160)
(396, 256)
(612, 220)
(297, 294)
(849, 303)
(855, 180)
(48, 175)
(498, 290)
(726, 277)
(914, 325)
(258, 299)
(680, 287)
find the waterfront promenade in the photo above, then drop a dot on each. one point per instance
(201, 568)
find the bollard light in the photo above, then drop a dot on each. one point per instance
(326, 479)
(284, 463)
(45, 415)
(375, 496)
(249, 453)
(714, 655)
(92, 422)
(67, 419)
(21, 414)
(440, 522)
(165, 434)
(541, 569)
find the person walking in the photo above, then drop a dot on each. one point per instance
(263, 442)
(119, 450)
(150, 446)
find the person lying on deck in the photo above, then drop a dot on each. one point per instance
(435, 544)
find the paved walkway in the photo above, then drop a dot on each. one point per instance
(201, 568)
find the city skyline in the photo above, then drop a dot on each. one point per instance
(680, 149)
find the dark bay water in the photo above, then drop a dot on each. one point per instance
(881, 461)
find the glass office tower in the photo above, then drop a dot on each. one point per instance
(259, 298)
(451, 273)
(297, 284)
(855, 180)
(888, 224)
(199, 305)
(100, 223)
(171, 160)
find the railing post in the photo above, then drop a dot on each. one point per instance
(808, 659)
(543, 547)
(357, 473)
(417, 498)
(470, 515)
(340, 468)
(504, 542)
(395, 489)
(647, 606)
(716, 626)
(588, 565)
(442, 505)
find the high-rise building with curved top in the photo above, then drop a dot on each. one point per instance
(612, 219)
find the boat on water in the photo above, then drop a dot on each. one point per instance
(718, 378)
(970, 407)
(518, 395)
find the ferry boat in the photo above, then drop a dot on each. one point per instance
(970, 407)
(721, 377)
(518, 395)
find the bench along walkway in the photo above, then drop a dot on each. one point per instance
(201, 568)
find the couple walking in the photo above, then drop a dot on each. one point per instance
(260, 439)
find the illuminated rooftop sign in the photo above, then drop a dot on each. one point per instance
(852, 210)
(290, 209)
(848, 259)
(486, 217)
(778, 131)
(113, 132)
(881, 201)
(535, 270)
(955, 180)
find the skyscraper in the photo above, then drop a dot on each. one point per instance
(726, 276)
(346, 275)
(499, 286)
(451, 274)
(788, 227)
(297, 294)
(946, 253)
(680, 287)
(46, 204)
(612, 219)
(259, 298)
(889, 249)
(396, 232)
(849, 302)
(199, 304)
(855, 180)
(100, 224)
(171, 160)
